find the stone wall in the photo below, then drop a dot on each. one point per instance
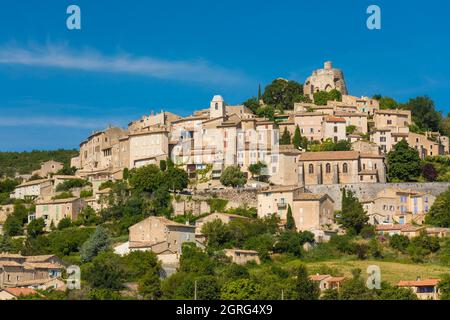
(366, 191)
(235, 197)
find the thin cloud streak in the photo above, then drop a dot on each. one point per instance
(68, 122)
(60, 57)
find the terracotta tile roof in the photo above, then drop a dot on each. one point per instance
(419, 283)
(329, 155)
(319, 277)
(336, 279)
(310, 196)
(33, 182)
(350, 114)
(389, 227)
(395, 112)
(40, 258)
(20, 291)
(10, 264)
(57, 201)
(334, 119)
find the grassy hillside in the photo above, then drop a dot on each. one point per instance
(26, 162)
(391, 272)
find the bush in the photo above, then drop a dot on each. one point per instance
(72, 183)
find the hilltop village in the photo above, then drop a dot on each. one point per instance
(285, 174)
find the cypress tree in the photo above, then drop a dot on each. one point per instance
(290, 222)
(297, 140)
(286, 137)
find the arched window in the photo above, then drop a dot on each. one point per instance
(328, 168)
(311, 168)
(345, 168)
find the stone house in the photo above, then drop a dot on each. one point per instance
(327, 281)
(240, 256)
(56, 210)
(226, 218)
(28, 271)
(47, 168)
(311, 212)
(160, 235)
(426, 289)
(398, 206)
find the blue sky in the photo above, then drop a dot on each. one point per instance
(132, 57)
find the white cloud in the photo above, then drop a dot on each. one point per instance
(57, 56)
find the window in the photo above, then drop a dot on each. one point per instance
(216, 106)
(328, 168)
(335, 129)
(345, 168)
(311, 168)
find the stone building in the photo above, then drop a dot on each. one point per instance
(398, 206)
(56, 210)
(160, 235)
(333, 167)
(28, 271)
(311, 212)
(47, 168)
(325, 79)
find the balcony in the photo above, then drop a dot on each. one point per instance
(282, 205)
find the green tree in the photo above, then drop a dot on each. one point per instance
(439, 214)
(350, 129)
(241, 289)
(36, 227)
(304, 288)
(334, 95)
(321, 98)
(104, 272)
(232, 176)
(399, 242)
(217, 234)
(98, 242)
(388, 292)
(355, 288)
(285, 137)
(386, 102)
(14, 223)
(444, 287)
(352, 216)
(176, 179)
(290, 222)
(282, 94)
(403, 162)
(297, 140)
(266, 112)
(147, 178)
(137, 264)
(252, 104)
(150, 285)
(256, 169)
(64, 223)
(423, 113)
